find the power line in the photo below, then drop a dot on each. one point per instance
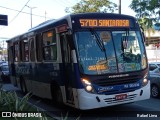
(22, 12)
(17, 14)
(69, 2)
(19, 11)
(60, 3)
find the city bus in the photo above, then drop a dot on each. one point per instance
(86, 61)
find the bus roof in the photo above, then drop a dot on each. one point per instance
(67, 17)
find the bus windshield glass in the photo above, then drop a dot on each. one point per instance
(102, 52)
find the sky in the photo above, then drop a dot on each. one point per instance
(20, 22)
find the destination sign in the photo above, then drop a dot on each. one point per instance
(104, 22)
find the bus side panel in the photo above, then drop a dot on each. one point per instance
(46, 74)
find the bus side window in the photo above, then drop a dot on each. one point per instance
(25, 51)
(32, 50)
(39, 47)
(49, 45)
(16, 52)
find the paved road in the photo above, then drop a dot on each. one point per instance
(142, 110)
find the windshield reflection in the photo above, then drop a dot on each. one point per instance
(123, 55)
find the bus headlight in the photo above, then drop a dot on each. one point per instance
(145, 81)
(89, 88)
(87, 85)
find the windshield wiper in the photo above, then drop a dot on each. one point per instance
(99, 42)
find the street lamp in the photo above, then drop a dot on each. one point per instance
(30, 12)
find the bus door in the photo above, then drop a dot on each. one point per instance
(67, 68)
(32, 67)
(11, 64)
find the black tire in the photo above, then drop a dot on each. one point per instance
(155, 91)
(23, 86)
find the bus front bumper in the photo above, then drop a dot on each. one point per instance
(91, 101)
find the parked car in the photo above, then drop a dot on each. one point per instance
(1, 62)
(155, 82)
(4, 72)
(154, 65)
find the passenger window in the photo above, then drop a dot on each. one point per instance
(49, 45)
(157, 70)
(25, 50)
(32, 50)
(16, 52)
(39, 47)
(152, 67)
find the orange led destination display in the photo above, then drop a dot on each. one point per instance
(104, 22)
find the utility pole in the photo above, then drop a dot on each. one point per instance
(30, 12)
(45, 15)
(119, 7)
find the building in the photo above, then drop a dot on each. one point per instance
(153, 45)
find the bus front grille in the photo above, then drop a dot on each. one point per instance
(113, 100)
(116, 81)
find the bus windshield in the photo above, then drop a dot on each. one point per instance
(123, 51)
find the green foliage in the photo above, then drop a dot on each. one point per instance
(94, 6)
(147, 13)
(149, 8)
(9, 101)
(2, 96)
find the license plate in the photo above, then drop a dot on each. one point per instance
(121, 96)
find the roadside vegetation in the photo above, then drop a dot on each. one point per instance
(10, 102)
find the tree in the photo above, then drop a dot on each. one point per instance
(93, 6)
(147, 13)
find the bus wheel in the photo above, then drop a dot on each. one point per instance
(154, 91)
(57, 95)
(23, 86)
